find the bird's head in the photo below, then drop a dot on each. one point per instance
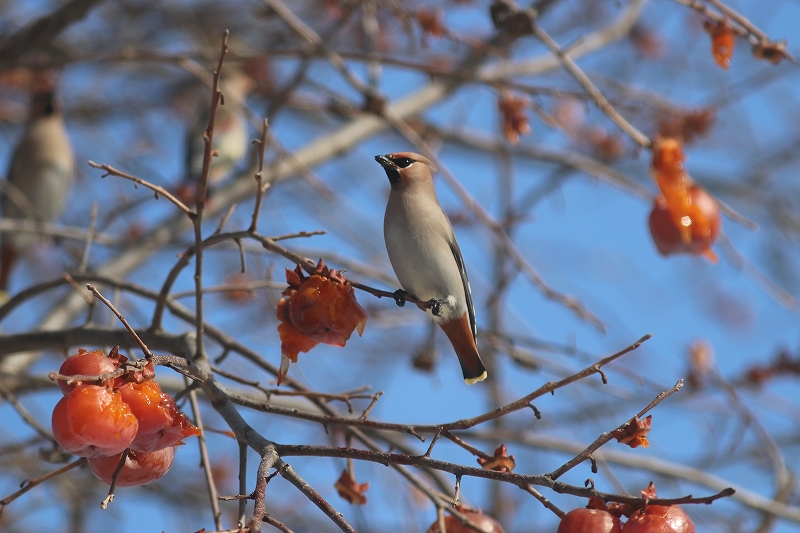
(406, 168)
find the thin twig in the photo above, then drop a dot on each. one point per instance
(208, 136)
(471, 449)
(605, 437)
(147, 353)
(277, 524)
(205, 462)
(262, 147)
(111, 171)
(342, 397)
(520, 480)
(638, 137)
(544, 501)
(110, 497)
(288, 473)
(375, 399)
(434, 440)
(26, 416)
(742, 264)
(320, 45)
(28, 484)
(224, 219)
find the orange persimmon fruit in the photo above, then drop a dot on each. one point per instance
(161, 424)
(85, 363)
(93, 421)
(139, 468)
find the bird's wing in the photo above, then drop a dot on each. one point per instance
(465, 281)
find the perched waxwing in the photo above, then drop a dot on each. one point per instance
(425, 255)
(231, 136)
(40, 175)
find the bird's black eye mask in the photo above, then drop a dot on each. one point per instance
(402, 162)
(391, 166)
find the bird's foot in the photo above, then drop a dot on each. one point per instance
(436, 306)
(400, 297)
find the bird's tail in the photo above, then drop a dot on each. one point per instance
(460, 335)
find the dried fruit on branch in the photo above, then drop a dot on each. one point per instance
(484, 523)
(684, 218)
(647, 42)
(781, 365)
(689, 125)
(723, 41)
(634, 434)
(604, 145)
(321, 308)
(501, 462)
(430, 22)
(351, 491)
(772, 52)
(515, 118)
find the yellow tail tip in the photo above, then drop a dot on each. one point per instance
(473, 381)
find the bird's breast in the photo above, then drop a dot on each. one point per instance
(417, 241)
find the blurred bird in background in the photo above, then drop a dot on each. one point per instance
(231, 134)
(41, 171)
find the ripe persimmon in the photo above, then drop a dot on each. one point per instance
(93, 421)
(139, 468)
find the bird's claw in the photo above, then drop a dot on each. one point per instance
(400, 297)
(435, 306)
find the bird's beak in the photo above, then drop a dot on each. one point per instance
(385, 162)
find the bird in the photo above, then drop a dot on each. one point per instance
(425, 255)
(231, 136)
(40, 174)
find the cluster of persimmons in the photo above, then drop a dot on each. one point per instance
(111, 409)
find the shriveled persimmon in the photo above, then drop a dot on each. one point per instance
(85, 363)
(161, 424)
(139, 468)
(513, 111)
(93, 421)
(320, 308)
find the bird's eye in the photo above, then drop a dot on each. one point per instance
(403, 162)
